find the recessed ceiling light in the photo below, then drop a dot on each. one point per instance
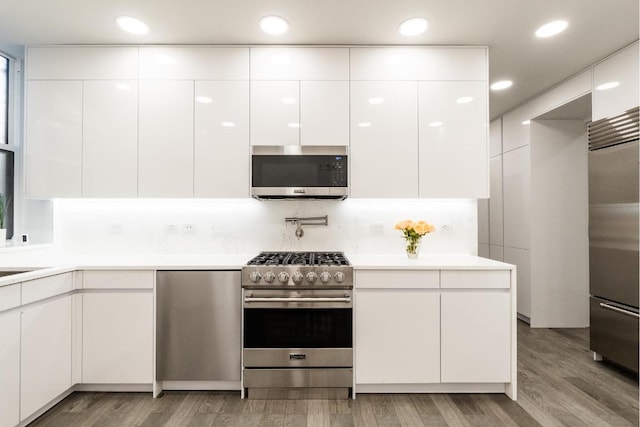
(364, 124)
(435, 124)
(204, 99)
(551, 29)
(294, 125)
(228, 124)
(376, 100)
(413, 26)
(607, 85)
(123, 86)
(132, 25)
(526, 122)
(464, 100)
(502, 84)
(288, 100)
(274, 25)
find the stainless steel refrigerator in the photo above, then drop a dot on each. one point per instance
(613, 239)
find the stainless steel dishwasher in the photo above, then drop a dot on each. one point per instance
(198, 315)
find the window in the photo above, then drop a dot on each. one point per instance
(6, 151)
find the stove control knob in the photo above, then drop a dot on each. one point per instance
(325, 277)
(339, 277)
(297, 277)
(255, 277)
(312, 277)
(269, 277)
(283, 277)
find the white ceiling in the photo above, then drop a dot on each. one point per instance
(597, 28)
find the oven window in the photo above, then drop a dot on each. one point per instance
(297, 328)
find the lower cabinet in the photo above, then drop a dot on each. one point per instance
(397, 336)
(117, 327)
(10, 369)
(476, 337)
(117, 338)
(45, 357)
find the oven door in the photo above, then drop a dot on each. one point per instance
(302, 328)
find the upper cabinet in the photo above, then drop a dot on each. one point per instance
(615, 84)
(453, 149)
(194, 63)
(54, 139)
(299, 96)
(384, 139)
(80, 63)
(419, 63)
(299, 63)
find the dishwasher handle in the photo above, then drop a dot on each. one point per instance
(249, 299)
(619, 310)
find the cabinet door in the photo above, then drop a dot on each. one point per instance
(54, 139)
(10, 369)
(194, 63)
(117, 338)
(166, 139)
(516, 191)
(221, 139)
(275, 113)
(384, 139)
(615, 83)
(397, 337)
(324, 113)
(454, 152)
(496, 225)
(110, 139)
(299, 63)
(476, 337)
(521, 258)
(45, 358)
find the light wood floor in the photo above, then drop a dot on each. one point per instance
(559, 385)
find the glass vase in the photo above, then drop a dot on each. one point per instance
(413, 248)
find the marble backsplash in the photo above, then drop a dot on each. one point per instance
(247, 226)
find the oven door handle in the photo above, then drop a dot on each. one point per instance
(298, 299)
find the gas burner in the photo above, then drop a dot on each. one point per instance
(299, 269)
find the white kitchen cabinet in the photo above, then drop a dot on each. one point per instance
(521, 258)
(496, 252)
(10, 368)
(110, 138)
(419, 63)
(45, 356)
(515, 128)
(117, 338)
(384, 139)
(221, 167)
(54, 135)
(275, 113)
(496, 205)
(299, 63)
(117, 327)
(453, 145)
(324, 113)
(194, 63)
(82, 63)
(397, 336)
(483, 222)
(495, 137)
(476, 337)
(621, 72)
(516, 167)
(165, 166)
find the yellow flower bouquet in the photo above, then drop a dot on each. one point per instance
(412, 233)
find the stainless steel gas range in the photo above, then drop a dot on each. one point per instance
(298, 322)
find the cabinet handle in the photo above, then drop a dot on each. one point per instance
(620, 310)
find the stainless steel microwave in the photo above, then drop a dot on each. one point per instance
(299, 172)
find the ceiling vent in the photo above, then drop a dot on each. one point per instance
(614, 130)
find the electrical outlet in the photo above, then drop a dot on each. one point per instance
(171, 228)
(376, 227)
(115, 228)
(188, 229)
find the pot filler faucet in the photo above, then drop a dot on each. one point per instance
(312, 220)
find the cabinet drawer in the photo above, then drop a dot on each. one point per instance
(9, 296)
(34, 290)
(473, 279)
(397, 279)
(108, 279)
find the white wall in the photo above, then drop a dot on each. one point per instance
(249, 226)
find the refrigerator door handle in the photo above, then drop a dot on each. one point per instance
(619, 310)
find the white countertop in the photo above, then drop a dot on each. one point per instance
(47, 260)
